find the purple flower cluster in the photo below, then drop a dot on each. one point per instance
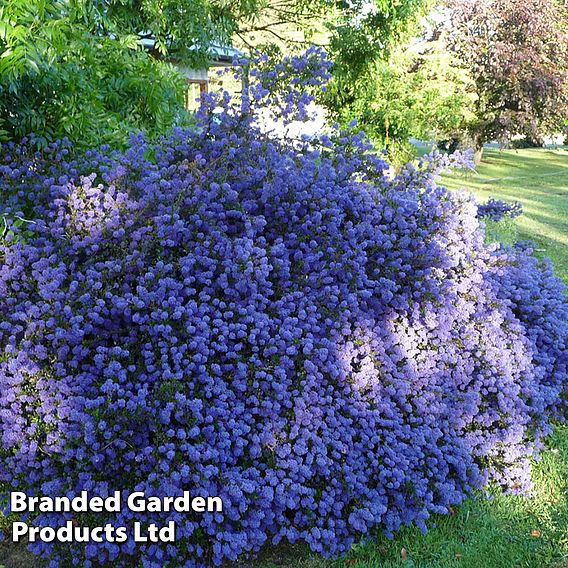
(495, 209)
(281, 325)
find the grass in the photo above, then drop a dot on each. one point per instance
(539, 180)
(501, 531)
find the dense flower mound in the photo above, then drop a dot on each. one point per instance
(274, 323)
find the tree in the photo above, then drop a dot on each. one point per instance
(353, 32)
(359, 37)
(184, 28)
(78, 69)
(97, 92)
(517, 54)
(419, 91)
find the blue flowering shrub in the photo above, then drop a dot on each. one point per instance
(495, 210)
(272, 321)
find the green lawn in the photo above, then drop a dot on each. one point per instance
(539, 180)
(504, 531)
(501, 532)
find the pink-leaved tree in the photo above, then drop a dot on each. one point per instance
(517, 54)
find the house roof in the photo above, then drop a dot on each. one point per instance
(223, 53)
(220, 55)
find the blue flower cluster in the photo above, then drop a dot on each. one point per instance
(279, 324)
(495, 209)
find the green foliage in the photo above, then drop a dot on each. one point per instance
(184, 28)
(99, 92)
(420, 92)
(365, 33)
(78, 69)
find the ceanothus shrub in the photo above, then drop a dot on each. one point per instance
(273, 322)
(495, 209)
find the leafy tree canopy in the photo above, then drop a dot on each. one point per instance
(418, 91)
(77, 68)
(517, 55)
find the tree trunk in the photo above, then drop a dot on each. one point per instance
(478, 154)
(478, 148)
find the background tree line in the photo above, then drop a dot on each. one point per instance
(459, 71)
